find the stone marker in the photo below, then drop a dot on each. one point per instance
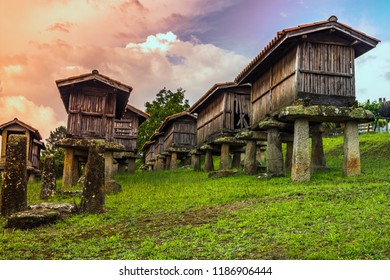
(93, 197)
(351, 163)
(14, 189)
(48, 188)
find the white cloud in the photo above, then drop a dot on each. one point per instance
(159, 42)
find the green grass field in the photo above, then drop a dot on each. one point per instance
(186, 215)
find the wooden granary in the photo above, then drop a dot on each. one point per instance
(221, 112)
(34, 143)
(126, 134)
(93, 103)
(126, 128)
(173, 140)
(179, 137)
(303, 77)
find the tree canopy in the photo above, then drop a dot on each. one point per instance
(52, 148)
(165, 104)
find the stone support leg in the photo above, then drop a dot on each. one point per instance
(121, 166)
(250, 164)
(351, 163)
(209, 163)
(274, 153)
(300, 170)
(236, 162)
(195, 162)
(173, 160)
(289, 156)
(108, 166)
(131, 165)
(160, 163)
(224, 164)
(71, 169)
(317, 151)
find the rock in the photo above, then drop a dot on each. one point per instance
(32, 218)
(223, 173)
(112, 187)
(62, 207)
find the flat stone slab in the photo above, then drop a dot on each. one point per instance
(84, 144)
(32, 218)
(62, 207)
(223, 173)
(326, 114)
(230, 140)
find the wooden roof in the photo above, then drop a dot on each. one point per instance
(37, 136)
(171, 118)
(212, 92)
(65, 86)
(290, 37)
(142, 115)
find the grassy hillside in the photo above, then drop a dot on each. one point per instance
(185, 215)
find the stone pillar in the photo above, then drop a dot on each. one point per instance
(225, 159)
(300, 170)
(71, 169)
(236, 162)
(108, 165)
(195, 161)
(121, 166)
(274, 153)
(209, 163)
(160, 162)
(173, 160)
(168, 162)
(351, 163)
(48, 188)
(131, 165)
(14, 187)
(93, 196)
(317, 151)
(289, 156)
(250, 164)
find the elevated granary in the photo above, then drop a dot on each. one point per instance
(222, 112)
(93, 103)
(303, 77)
(34, 143)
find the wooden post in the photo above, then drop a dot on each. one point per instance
(274, 153)
(209, 163)
(250, 164)
(224, 164)
(300, 169)
(317, 151)
(173, 160)
(351, 163)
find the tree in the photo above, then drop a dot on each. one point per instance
(376, 108)
(52, 148)
(166, 104)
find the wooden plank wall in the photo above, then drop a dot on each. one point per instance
(275, 88)
(210, 119)
(91, 114)
(184, 135)
(326, 69)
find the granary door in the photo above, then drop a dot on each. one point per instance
(241, 111)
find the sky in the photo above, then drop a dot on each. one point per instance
(150, 44)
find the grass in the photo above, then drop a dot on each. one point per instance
(186, 215)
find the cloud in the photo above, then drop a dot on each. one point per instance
(38, 116)
(61, 27)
